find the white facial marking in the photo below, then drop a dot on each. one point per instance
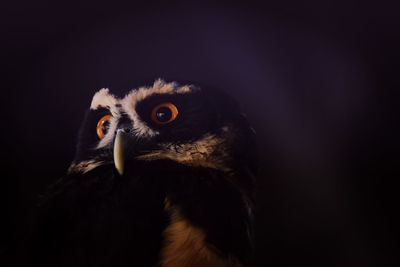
(103, 99)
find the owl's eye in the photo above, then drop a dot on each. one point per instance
(102, 126)
(164, 113)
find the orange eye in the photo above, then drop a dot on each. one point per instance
(102, 126)
(164, 113)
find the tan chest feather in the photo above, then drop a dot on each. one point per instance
(185, 245)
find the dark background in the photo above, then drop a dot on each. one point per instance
(318, 80)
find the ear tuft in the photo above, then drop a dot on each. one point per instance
(103, 99)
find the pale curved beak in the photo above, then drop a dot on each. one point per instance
(119, 151)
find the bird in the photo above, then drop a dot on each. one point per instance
(162, 176)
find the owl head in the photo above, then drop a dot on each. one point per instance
(181, 124)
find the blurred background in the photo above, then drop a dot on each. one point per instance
(318, 80)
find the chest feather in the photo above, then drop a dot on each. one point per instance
(185, 245)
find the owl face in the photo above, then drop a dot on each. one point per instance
(182, 124)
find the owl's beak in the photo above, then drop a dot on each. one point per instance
(119, 151)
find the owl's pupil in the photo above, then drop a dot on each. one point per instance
(105, 126)
(164, 114)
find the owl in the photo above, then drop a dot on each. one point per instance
(163, 176)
